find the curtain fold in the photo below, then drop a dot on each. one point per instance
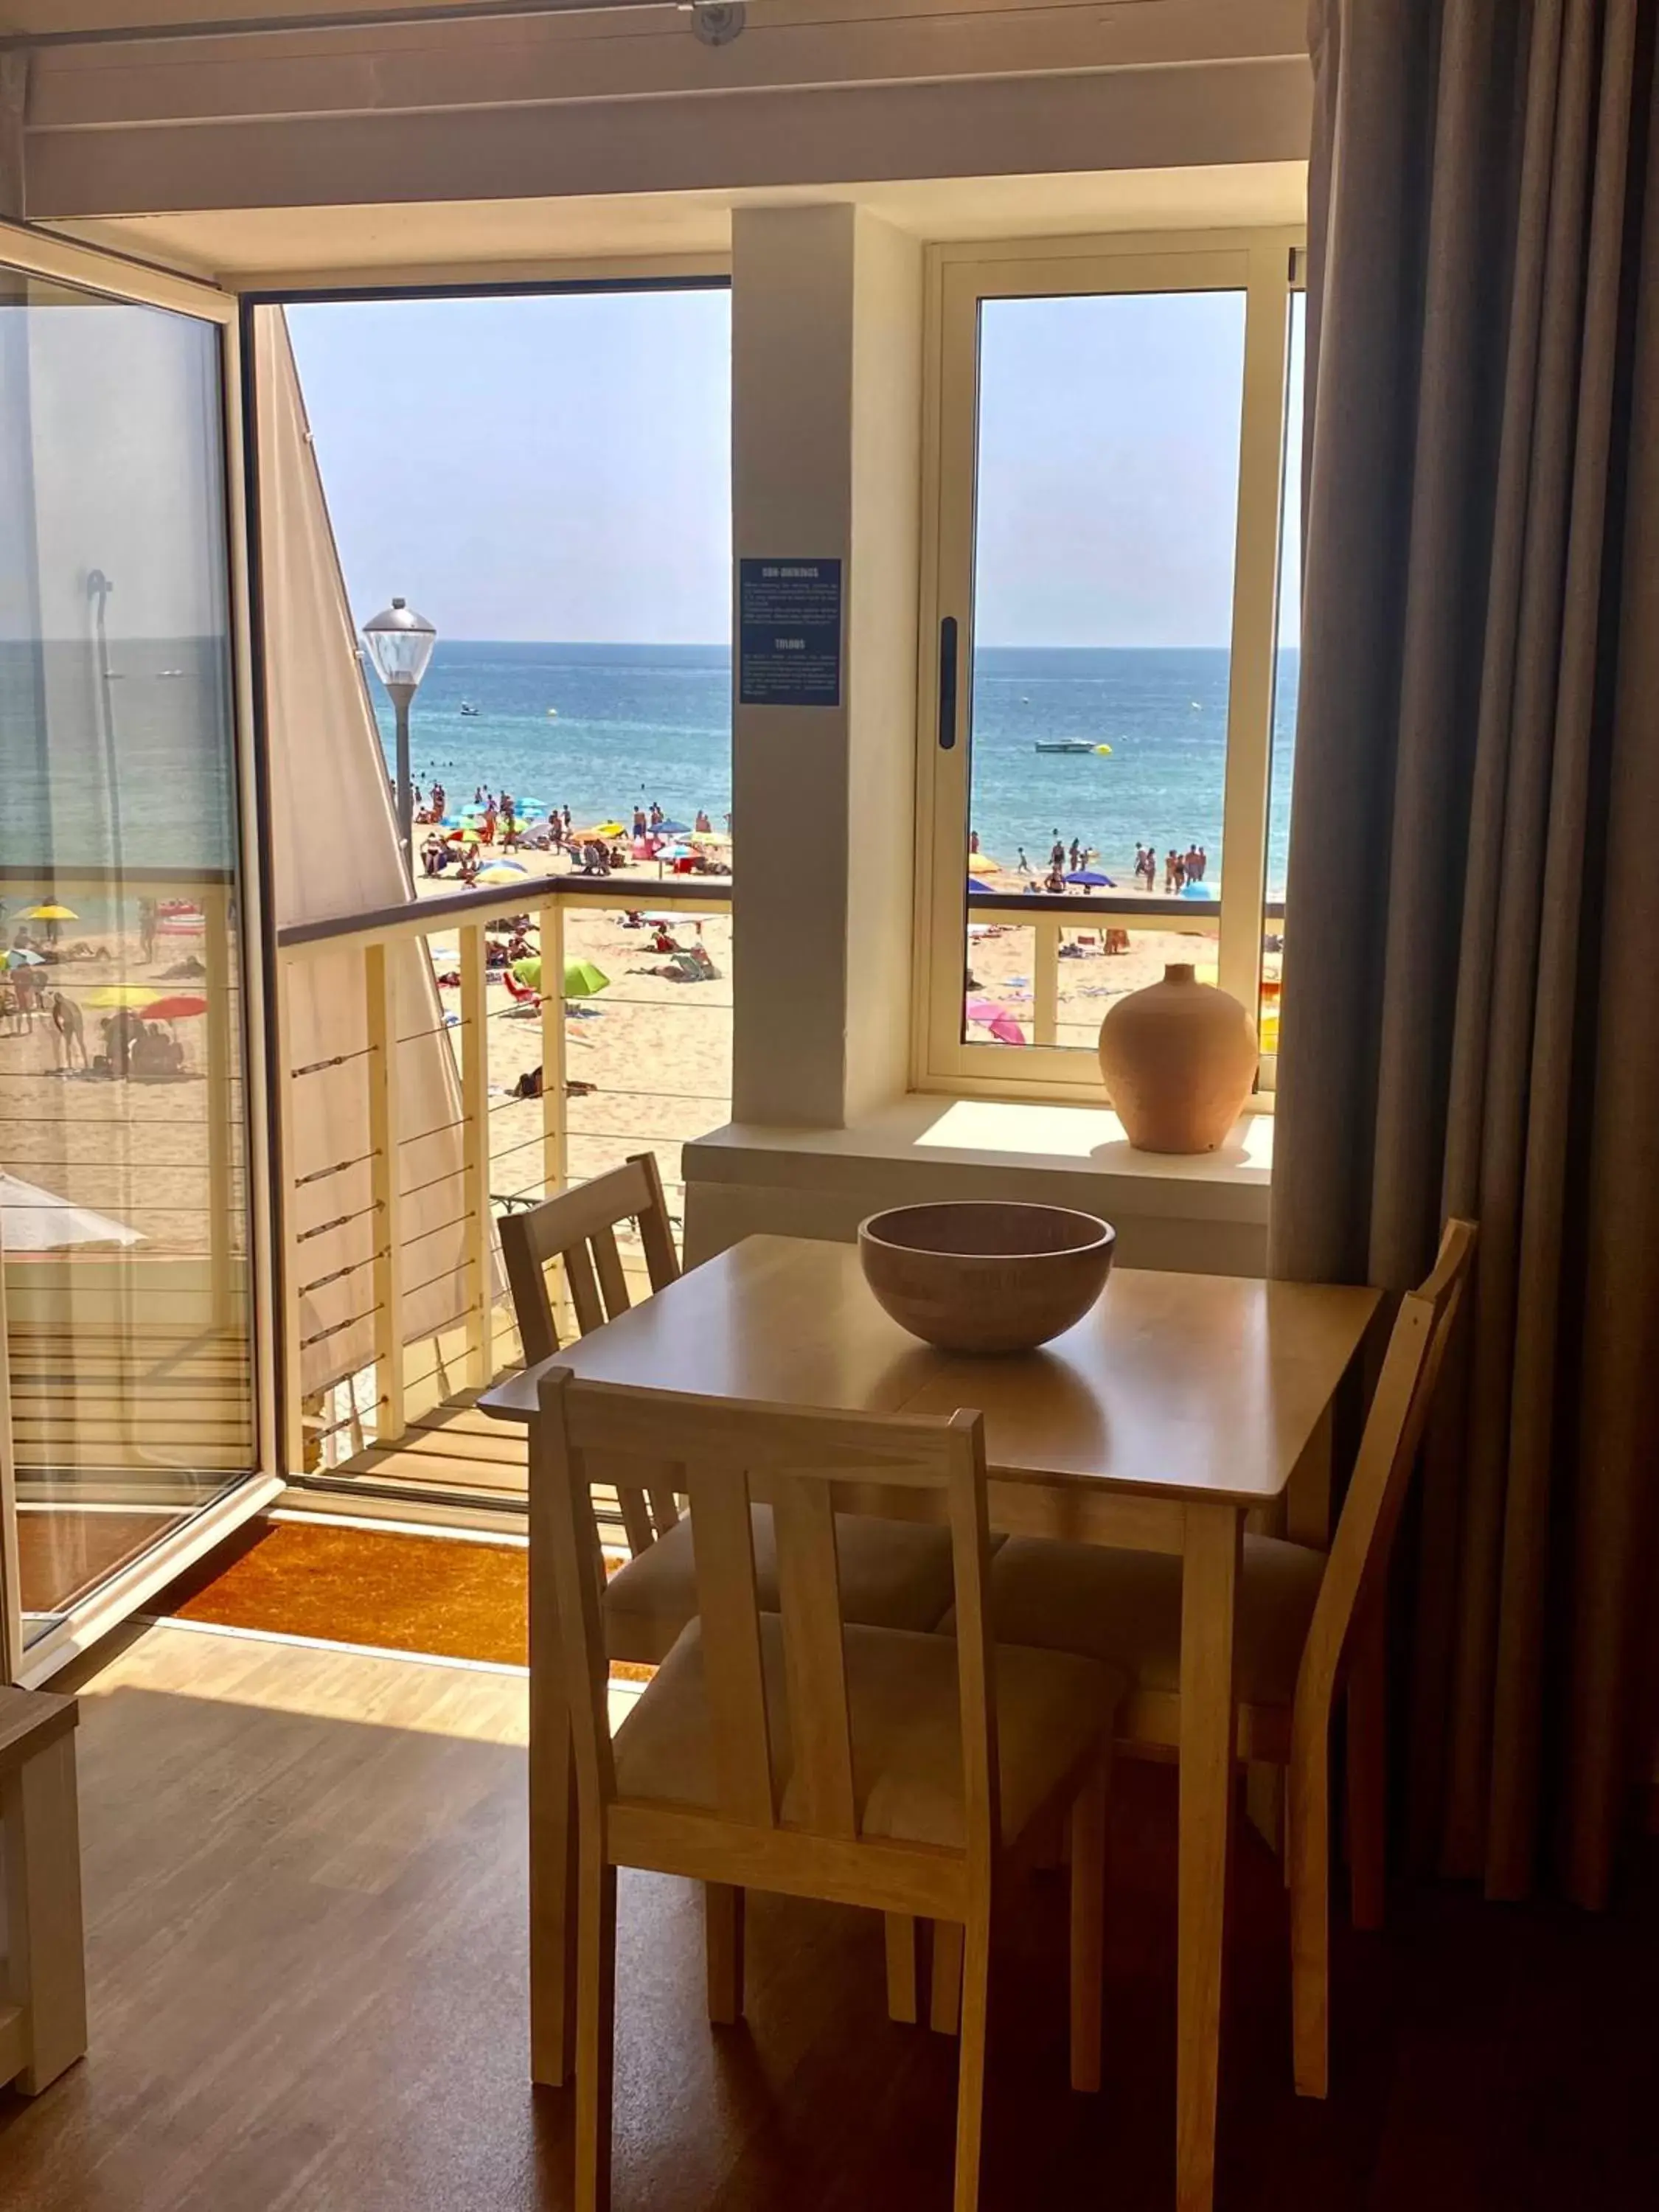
(1467, 1016)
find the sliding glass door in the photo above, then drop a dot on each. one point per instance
(130, 1399)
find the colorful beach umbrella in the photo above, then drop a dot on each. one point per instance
(50, 913)
(499, 872)
(997, 1019)
(582, 980)
(21, 956)
(140, 995)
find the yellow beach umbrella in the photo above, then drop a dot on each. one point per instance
(600, 829)
(50, 913)
(123, 994)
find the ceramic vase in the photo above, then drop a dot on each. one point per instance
(1179, 1058)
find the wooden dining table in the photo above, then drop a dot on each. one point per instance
(1179, 1407)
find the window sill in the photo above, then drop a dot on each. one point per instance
(1206, 1212)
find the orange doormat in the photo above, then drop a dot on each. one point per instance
(440, 1597)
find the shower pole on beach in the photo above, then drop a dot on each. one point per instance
(401, 642)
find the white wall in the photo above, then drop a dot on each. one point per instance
(826, 320)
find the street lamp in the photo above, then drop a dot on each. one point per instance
(402, 642)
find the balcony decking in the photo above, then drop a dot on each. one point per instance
(452, 1449)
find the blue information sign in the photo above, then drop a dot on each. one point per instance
(788, 633)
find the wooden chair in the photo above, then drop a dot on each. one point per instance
(797, 1752)
(1309, 1623)
(43, 1988)
(893, 1576)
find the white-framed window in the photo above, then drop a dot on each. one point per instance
(1109, 641)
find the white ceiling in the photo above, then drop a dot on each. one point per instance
(249, 246)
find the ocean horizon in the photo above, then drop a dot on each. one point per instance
(604, 727)
(635, 724)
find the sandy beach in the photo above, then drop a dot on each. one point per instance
(649, 1058)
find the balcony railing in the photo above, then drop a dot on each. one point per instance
(403, 1144)
(1044, 1010)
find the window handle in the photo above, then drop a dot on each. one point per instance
(947, 683)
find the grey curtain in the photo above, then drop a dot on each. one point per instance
(1471, 1009)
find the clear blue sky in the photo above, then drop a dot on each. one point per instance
(559, 467)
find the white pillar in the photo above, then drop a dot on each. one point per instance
(826, 341)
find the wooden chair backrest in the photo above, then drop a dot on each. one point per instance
(579, 1228)
(1356, 1573)
(722, 1452)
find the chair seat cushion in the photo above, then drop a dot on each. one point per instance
(906, 1727)
(894, 1574)
(1124, 1607)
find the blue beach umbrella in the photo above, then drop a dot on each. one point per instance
(1202, 890)
(974, 884)
(1092, 880)
(673, 830)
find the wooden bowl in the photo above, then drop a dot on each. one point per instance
(986, 1274)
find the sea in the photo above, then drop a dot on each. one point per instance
(130, 765)
(603, 728)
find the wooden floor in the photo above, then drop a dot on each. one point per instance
(305, 1889)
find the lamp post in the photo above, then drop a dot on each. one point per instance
(402, 642)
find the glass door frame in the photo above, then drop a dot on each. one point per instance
(1256, 263)
(31, 253)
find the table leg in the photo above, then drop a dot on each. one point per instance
(1209, 1735)
(1309, 1493)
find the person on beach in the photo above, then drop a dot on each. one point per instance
(705, 827)
(639, 822)
(1057, 853)
(1076, 856)
(1022, 865)
(69, 1031)
(657, 817)
(1195, 875)
(972, 841)
(1055, 881)
(439, 795)
(1174, 873)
